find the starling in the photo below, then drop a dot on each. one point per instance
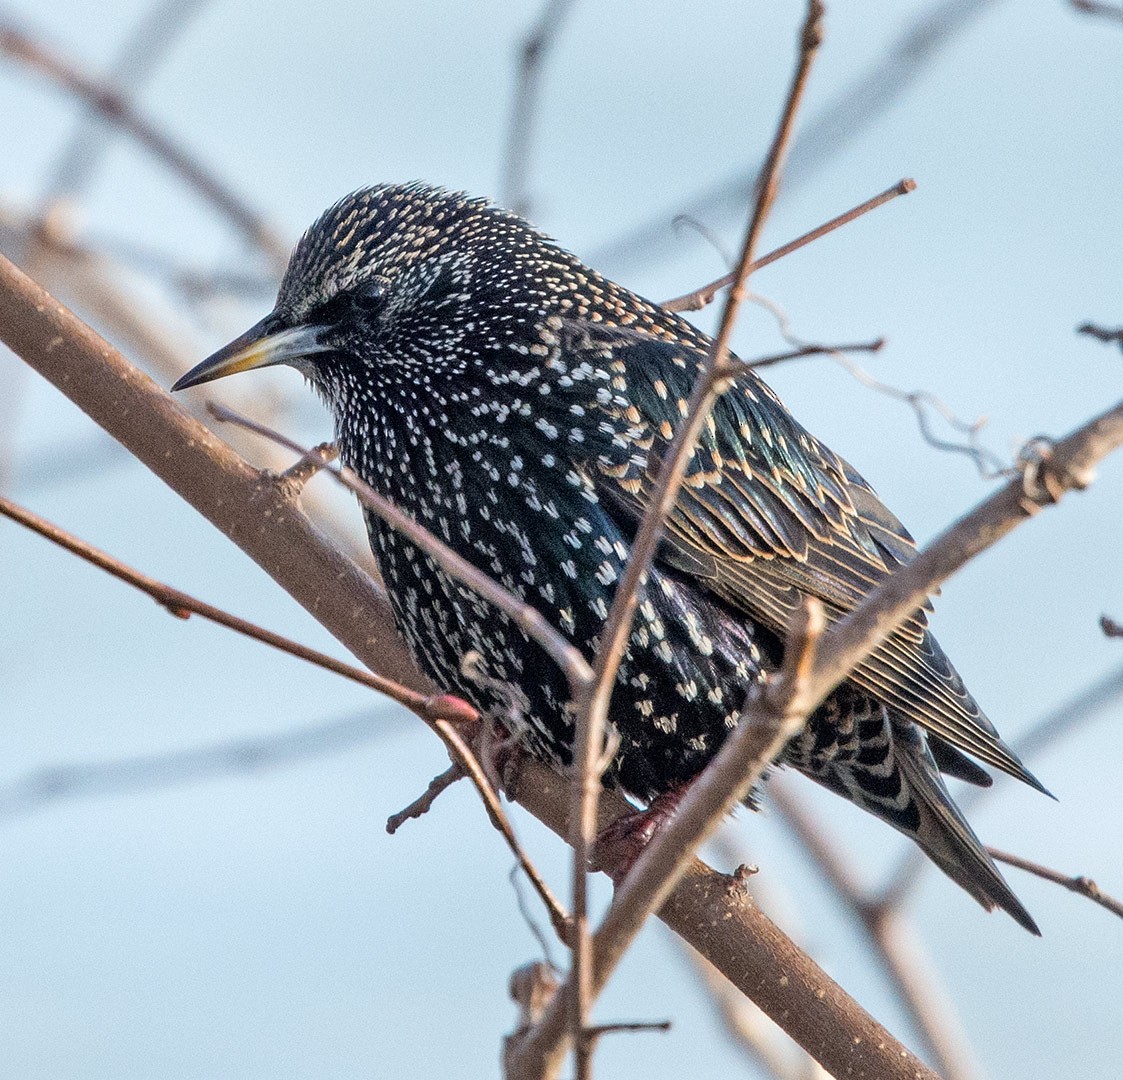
(517, 404)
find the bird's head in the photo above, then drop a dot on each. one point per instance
(399, 285)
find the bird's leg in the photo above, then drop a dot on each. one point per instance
(500, 749)
(621, 843)
(502, 756)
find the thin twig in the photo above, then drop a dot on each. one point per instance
(699, 298)
(1068, 465)
(526, 617)
(920, 401)
(845, 116)
(1085, 886)
(436, 710)
(466, 759)
(182, 605)
(1058, 723)
(712, 381)
(810, 350)
(524, 107)
(424, 802)
(117, 110)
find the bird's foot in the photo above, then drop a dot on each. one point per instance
(502, 757)
(498, 751)
(619, 846)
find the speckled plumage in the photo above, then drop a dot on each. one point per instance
(516, 403)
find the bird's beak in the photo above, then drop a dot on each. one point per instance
(262, 345)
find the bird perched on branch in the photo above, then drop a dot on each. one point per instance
(517, 404)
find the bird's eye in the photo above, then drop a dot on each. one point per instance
(369, 294)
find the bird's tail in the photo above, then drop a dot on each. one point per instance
(943, 831)
(896, 778)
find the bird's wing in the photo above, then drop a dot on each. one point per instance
(768, 514)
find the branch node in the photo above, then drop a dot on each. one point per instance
(741, 875)
(291, 482)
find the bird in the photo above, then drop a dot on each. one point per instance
(517, 404)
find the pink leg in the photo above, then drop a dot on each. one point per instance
(621, 843)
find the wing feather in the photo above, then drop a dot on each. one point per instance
(767, 514)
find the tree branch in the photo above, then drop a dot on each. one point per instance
(700, 297)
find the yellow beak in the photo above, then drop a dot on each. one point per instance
(262, 345)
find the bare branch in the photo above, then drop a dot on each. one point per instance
(1069, 464)
(810, 350)
(768, 723)
(463, 756)
(435, 710)
(526, 617)
(699, 298)
(524, 107)
(117, 110)
(1085, 886)
(182, 605)
(424, 802)
(920, 401)
(1101, 333)
(592, 706)
(745, 1024)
